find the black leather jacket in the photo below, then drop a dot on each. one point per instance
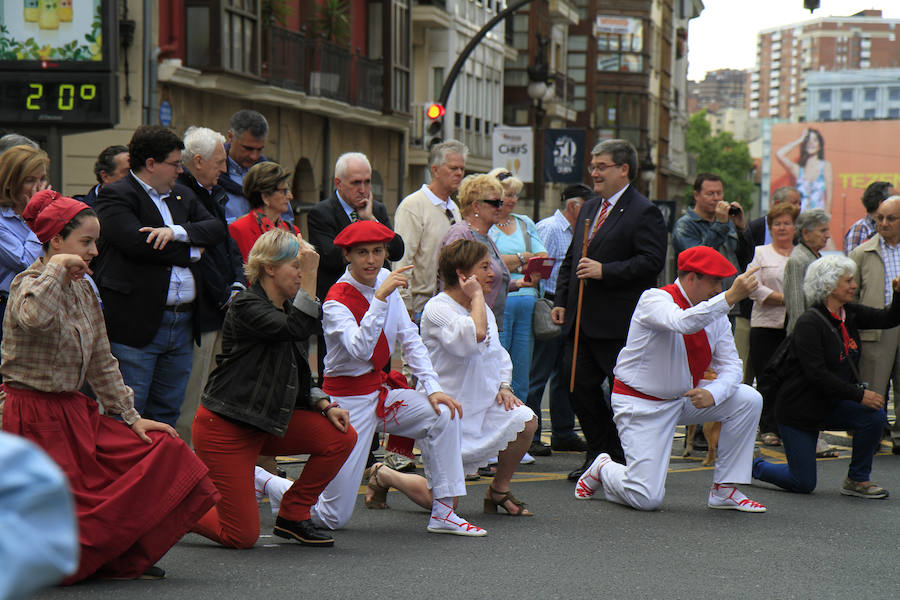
(263, 373)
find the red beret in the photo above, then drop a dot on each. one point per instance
(48, 212)
(363, 232)
(705, 261)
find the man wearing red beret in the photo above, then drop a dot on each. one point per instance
(677, 334)
(364, 320)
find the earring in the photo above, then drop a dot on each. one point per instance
(476, 215)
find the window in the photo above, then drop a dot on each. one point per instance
(869, 114)
(824, 115)
(894, 113)
(846, 115)
(869, 94)
(825, 96)
(846, 95)
(619, 115)
(894, 93)
(620, 43)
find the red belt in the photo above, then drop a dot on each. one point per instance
(381, 382)
(624, 388)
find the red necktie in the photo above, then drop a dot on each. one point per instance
(600, 218)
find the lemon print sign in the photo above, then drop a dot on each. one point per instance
(64, 30)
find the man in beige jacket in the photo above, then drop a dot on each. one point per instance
(878, 261)
(422, 219)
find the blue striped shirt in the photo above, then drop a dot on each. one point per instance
(556, 231)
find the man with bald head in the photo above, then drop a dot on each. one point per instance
(351, 201)
(878, 261)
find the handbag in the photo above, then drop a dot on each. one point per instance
(542, 324)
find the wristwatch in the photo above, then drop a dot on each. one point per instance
(522, 260)
(505, 386)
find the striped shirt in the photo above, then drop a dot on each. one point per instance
(890, 255)
(858, 233)
(556, 231)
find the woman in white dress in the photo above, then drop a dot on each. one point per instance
(472, 366)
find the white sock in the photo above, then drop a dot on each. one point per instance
(272, 486)
(721, 490)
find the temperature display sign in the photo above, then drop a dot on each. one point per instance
(60, 98)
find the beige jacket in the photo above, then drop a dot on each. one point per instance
(870, 276)
(422, 225)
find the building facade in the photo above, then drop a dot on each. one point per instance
(852, 95)
(786, 54)
(719, 89)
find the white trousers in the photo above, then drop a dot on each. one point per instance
(437, 436)
(646, 428)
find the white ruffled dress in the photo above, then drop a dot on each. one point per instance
(471, 372)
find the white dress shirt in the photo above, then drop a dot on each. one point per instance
(350, 345)
(654, 360)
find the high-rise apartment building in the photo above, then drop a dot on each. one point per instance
(786, 54)
(719, 89)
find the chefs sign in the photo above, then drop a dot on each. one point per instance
(513, 150)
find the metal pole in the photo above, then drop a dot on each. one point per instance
(538, 159)
(476, 39)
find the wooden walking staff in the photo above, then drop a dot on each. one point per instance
(584, 245)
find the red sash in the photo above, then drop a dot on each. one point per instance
(375, 380)
(699, 354)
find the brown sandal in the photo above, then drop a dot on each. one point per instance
(490, 505)
(378, 501)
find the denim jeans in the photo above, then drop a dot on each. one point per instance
(799, 474)
(546, 364)
(159, 372)
(518, 338)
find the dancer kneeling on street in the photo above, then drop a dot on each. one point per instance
(137, 487)
(364, 320)
(460, 333)
(259, 401)
(677, 333)
(823, 388)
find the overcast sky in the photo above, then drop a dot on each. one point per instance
(724, 35)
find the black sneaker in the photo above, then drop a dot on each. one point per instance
(153, 572)
(539, 448)
(575, 444)
(304, 532)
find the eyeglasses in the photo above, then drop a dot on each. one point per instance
(284, 191)
(501, 177)
(173, 163)
(600, 167)
(495, 202)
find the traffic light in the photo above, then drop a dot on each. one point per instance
(434, 125)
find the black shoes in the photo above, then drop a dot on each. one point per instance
(304, 532)
(539, 448)
(575, 444)
(153, 573)
(577, 473)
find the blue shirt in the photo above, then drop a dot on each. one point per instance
(556, 231)
(237, 206)
(38, 532)
(515, 242)
(19, 247)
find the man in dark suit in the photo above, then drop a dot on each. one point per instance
(153, 232)
(626, 251)
(111, 166)
(351, 201)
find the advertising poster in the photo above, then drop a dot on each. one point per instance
(564, 160)
(63, 30)
(832, 163)
(513, 150)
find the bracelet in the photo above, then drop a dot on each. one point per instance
(521, 258)
(329, 407)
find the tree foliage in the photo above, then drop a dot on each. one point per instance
(723, 155)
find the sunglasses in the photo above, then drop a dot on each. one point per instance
(501, 177)
(495, 202)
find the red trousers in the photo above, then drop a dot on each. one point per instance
(230, 451)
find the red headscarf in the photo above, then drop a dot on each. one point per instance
(48, 212)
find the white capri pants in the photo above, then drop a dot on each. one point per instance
(646, 429)
(437, 436)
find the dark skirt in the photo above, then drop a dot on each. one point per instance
(133, 500)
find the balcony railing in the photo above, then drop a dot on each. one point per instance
(294, 61)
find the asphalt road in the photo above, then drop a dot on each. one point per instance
(822, 545)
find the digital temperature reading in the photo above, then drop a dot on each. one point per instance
(53, 97)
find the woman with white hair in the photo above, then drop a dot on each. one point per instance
(823, 389)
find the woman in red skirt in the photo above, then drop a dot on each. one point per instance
(137, 488)
(259, 400)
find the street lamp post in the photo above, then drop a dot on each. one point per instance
(540, 90)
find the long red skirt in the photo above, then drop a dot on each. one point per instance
(134, 500)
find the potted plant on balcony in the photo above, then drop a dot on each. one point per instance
(330, 25)
(331, 22)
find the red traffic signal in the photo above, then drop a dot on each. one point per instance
(435, 111)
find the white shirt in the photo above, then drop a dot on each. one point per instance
(440, 203)
(771, 279)
(182, 288)
(350, 345)
(654, 360)
(612, 204)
